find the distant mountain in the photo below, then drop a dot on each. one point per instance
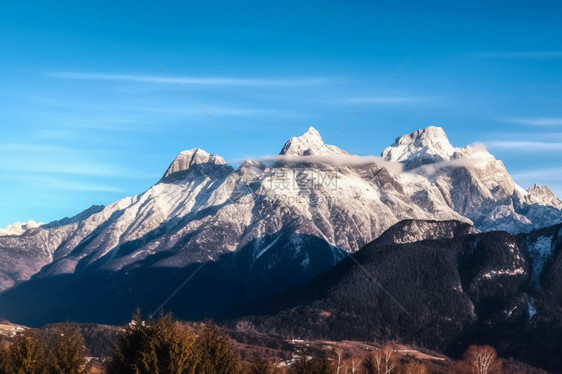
(470, 181)
(19, 228)
(291, 217)
(443, 293)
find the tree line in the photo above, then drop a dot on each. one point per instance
(162, 346)
(57, 351)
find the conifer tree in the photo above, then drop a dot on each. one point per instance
(217, 354)
(169, 348)
(4, 357)
(313, 365)
(128, 350)
(27, 354)
(154, 347)
(68, 355)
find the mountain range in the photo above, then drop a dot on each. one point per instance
(203, 208)
(424, 211)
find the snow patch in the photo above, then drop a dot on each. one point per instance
(496, 273)
(510, 312)
(539, 252)
(266, 248)
(531, 308)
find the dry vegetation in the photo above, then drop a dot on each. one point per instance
(165, 346)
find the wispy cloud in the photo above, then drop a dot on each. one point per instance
(218, 110)
(117, 124)
(521, 54)
(42, 181)
(545, 174)
(203, 81)
(56, 159)
(387, 100)
(137, 115)
(525, 146)
(27, 147)
(534, 121)
(394, 167)
(336, 159)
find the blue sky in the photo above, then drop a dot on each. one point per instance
(88, 117)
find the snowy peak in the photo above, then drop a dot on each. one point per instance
(420, 147)
(542, 196)
(194, 159)
(19, 228)
(310, 143)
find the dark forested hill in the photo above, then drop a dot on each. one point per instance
(490, 288)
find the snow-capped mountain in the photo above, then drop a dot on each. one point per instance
(202, 208)
(470, 181)
(18, 228)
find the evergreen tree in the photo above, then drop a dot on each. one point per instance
(4, 357)
(169, 348)
(154, 347)
(27, 354)
(128, 350)
(314, 365)
(69, 352)
(217, 354)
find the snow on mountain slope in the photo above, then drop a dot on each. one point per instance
(421, 147)
(202, 208)
(542, 196)
(471, 181)
(539, 252)
(411, 231)
(19, 228)
(197, 160)
(310, 143)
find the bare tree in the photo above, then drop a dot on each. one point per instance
(355, 365)
(414, 367)
(381, 361)
(339, 354)
(481, 360)
(350, 365)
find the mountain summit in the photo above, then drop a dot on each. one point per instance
(197, 159)
(309, 144)
(421, 147)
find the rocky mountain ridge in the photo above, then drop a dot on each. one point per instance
(202, 208)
